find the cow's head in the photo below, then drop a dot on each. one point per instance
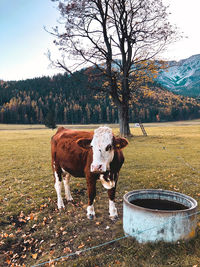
(103, 145)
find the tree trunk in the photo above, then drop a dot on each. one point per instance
(124, 120)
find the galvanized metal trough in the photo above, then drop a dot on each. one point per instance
(153, 215)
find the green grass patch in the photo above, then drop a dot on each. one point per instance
(32, 231)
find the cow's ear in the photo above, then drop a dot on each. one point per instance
(120, 142)
(84, 143)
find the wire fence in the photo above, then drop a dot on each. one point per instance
(109, 242)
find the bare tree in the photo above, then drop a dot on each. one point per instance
(120, 38)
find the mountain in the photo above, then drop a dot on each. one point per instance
(182, 77)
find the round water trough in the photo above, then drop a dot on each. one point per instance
(159, 215)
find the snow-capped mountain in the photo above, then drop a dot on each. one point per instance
(182, 77)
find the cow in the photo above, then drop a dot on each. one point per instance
(94, 155)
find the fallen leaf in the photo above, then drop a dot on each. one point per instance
(44, 220)
(8, 261)
(34, 226)
(15, 256)
(31, 216)
(34, 256)
(21, 214)
(56, 234)
(43, 206)
(52, 252)
(22, 220)
(67, 250)
(81, 246)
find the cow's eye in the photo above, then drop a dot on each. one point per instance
(108, 147)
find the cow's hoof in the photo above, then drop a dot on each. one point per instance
(61, 209)
(90, 216)
(69, 199)
(114, 218)
(60, 205)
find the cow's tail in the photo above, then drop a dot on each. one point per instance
(53, 150)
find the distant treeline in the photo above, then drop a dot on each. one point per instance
(71, 101)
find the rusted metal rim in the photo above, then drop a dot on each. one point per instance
(157, 194)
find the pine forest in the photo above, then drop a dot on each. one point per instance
(70, 100)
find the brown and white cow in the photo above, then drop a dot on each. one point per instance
(94, 155)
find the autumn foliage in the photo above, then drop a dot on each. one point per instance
(126, 34)
(72, 102)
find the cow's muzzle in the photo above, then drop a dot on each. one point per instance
(98, 168)
(106, 182)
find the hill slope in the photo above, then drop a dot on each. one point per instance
(182, 77)
(69, 101)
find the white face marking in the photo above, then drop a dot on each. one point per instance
(102, 155)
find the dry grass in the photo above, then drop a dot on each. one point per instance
(33, 231)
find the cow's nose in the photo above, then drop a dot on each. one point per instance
(100, 167)
(96, 168)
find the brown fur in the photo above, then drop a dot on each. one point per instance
(68, 155)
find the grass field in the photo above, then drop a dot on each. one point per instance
(32, 231)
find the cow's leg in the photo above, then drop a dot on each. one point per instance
(112, 210)
(91, 185)
(111, 194)
(66, 181)
(58, 187)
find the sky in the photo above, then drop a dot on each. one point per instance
(24, 42)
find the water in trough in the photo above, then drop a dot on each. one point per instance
(158, 204)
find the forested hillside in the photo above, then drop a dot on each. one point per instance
(71, 101)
